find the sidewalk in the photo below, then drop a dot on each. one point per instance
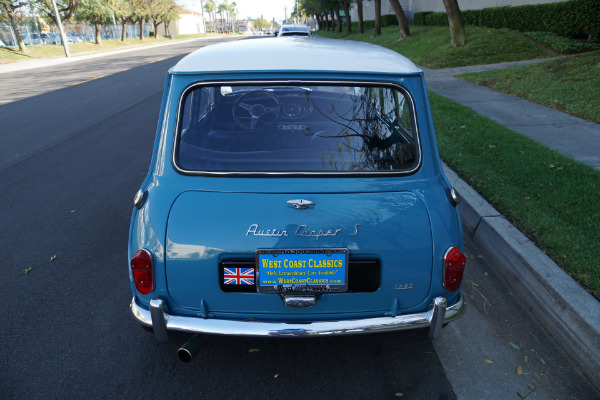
(567, 311)
(571, 136)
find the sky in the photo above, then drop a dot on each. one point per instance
(267, 9)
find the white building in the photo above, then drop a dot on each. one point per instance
(190, 22)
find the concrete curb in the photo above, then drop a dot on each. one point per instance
(560, 305)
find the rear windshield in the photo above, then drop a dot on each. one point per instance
(314, 128)
(294, 33)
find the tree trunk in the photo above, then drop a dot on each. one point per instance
(124, 29)
(377, 18)
(156, 24)
(15, 26)
(98, 27)
(332, 12)
(401, 17)
(457, 26)
(359, 9)
(142, 22)
(339, 20)
(346, 5)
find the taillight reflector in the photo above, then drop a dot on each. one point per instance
(454, 267)
(141, 268)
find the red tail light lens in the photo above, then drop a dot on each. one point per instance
(141, 268)
(454, 266)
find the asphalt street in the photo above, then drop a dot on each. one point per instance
(72, 154)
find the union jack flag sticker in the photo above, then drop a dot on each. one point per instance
(238, 276)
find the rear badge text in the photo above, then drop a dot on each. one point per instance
(303, 230)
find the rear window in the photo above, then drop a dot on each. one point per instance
(317, 128)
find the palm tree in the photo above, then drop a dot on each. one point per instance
(233, 12)
(222, 7)
(209, 6)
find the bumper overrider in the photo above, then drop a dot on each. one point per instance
(157, 317)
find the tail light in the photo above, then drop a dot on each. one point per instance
(141, 268)
(454, 266)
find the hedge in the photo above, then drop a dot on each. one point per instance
(572, 19)
(386, 20)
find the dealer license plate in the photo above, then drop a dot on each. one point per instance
(302, 270)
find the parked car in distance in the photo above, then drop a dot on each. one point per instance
(294, 30)
(58, 39)
(31, 39)
(297, 195)
(48, 38)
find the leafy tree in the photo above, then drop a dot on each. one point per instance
(346, 6)
(139, 10)
(161, 11)
(66, 9)
(457, 26)
(10, 7)
(401, 17)
(329, 7)
(95, 11)
(122, 10)
(311, 7)
(261, 23)
(173, 13)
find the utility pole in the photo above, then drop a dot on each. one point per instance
(63, 37)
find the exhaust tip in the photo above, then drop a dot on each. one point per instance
(184, 355)
(192, 347)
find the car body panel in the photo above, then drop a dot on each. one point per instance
(190, 223)
(399, 233)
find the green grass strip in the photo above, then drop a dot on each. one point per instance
(551, 198)
(430, 45)
(12, 54)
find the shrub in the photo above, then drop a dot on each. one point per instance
(419, 18)
(561, 44)
(573, 19)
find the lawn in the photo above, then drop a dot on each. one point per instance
(430, 46)
(551, 198)
(11, 54)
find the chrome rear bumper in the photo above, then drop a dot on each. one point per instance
(159, 319)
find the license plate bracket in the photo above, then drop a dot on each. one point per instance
(302, 270)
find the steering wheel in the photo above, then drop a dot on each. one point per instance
(256, 107)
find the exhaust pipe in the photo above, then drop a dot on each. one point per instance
(191, 348)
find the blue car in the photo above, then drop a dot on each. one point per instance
(295, 189)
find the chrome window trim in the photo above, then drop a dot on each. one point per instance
(295, 82)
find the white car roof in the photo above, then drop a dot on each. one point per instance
(295, 54)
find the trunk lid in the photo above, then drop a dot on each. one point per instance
(205, 228)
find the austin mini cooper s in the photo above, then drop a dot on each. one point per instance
(295, 189)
